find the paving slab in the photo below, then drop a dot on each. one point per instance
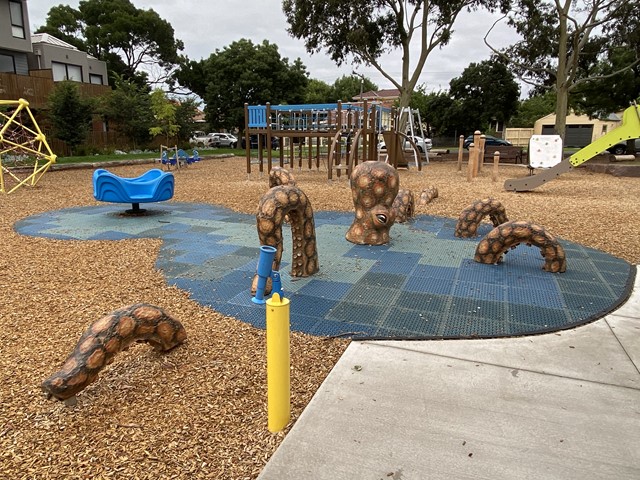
(553, 406)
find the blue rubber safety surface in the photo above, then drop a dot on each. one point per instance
(423, 284)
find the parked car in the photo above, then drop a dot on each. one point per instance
(621, 147)
(423, 144)
(201, 139)
(253, 142)
(224, 140)
(489, 141)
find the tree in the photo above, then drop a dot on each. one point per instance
(363, 30)
(555, 35)
(346, 88)
(164, 115)
(64, 22)
(532, 109)
(134, 42)
(440, 112)
(318, 92)
(606, 94)
(128, 109)
(487, 92)
(243, 72)
(69, 113)
(186, 110)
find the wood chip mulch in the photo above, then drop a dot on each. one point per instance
(200, 410)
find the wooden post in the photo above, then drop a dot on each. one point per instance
(460, 152)
(483, 139)
(476, 143)
(246, 136)
(269, 157)
(496, 161)
(472, 152)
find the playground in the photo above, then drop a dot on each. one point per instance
(200, 410)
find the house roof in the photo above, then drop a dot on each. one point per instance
(51, 40)
(389, 93)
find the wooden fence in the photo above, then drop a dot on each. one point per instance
(36, 87)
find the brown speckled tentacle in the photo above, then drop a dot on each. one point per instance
(280, 176)
(404, 205)
(427, 195)
(374, 187)
(510, 234)
(278, 202)
(106, 337)
(471, 216)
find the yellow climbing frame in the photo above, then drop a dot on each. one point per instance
(629, 129)
(18, 138)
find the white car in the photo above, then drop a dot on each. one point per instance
(224, 140)
(201, 139)
(423, 144)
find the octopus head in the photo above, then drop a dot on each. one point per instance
(374, 186)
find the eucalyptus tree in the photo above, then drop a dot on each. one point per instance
(363, 31)
(556, 35)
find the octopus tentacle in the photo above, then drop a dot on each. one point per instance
(106, 337)
(511, 234)
(280, 176)
(404, 205)
(471, 216)
(428, 194)
(289, 201)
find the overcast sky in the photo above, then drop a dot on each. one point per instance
(205, 26)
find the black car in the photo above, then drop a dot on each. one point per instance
(253, 142)
(489, 141)
(621, 147)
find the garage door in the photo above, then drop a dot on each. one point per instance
(576, 135)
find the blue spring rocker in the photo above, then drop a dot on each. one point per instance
(153, 186)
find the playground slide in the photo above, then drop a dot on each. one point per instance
(630, 128)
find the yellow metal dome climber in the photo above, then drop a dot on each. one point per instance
(24, 152)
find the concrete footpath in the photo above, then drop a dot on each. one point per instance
(564, 405)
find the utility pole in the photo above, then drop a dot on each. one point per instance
(361, 81)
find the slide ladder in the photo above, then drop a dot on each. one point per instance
(629, 129)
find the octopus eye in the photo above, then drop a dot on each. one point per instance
(381, 217)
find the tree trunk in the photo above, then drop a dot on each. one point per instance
(403, 101)
(562, 89)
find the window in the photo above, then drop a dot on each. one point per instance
(7, 64)
(17, 21)
(63, 71)
(95, 79)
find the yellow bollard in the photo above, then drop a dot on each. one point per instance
(278, 361)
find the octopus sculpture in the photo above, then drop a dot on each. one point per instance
(278, 202)
(510, 234)
(427, 195)
(404, 205)
(374, 187)
(106, 337)
(471, 216)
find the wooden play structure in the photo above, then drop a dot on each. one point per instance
(338, 136)
(25, 154)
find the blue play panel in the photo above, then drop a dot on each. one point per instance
(424, 284)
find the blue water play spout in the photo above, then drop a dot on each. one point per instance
(265, 263)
